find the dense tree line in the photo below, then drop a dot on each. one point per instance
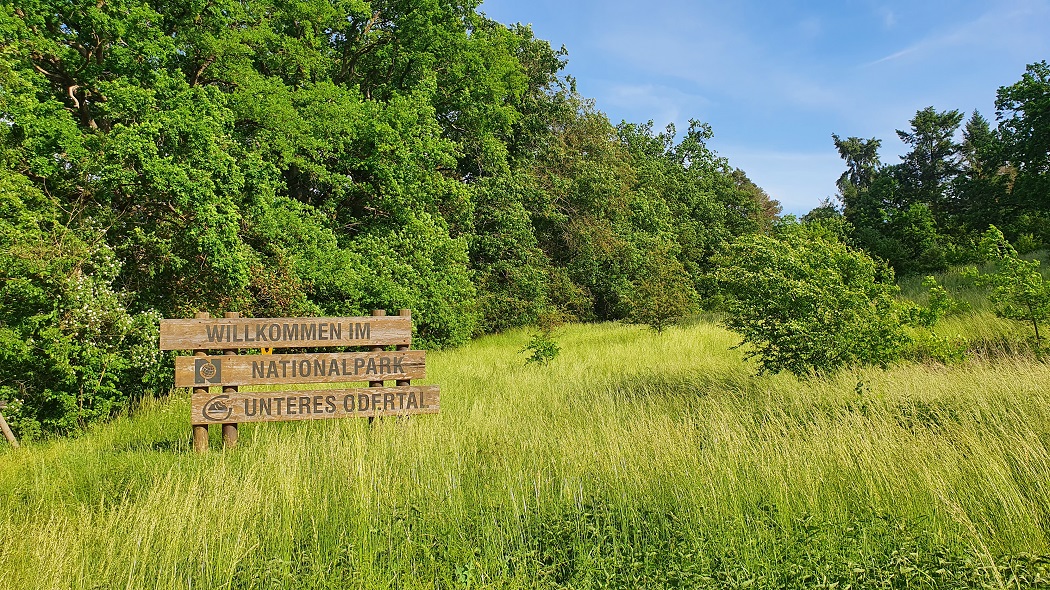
(930, 209)
(290, 158)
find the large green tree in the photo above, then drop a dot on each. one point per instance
(1024, 112)
(983, 185)
(862, 162)
(932, 161)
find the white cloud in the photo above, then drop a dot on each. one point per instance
(719, 56)
(664, 104)
(660, 103)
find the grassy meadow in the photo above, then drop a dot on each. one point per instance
(635, 459)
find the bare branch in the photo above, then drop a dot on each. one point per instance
(196, 76)
(70, 91)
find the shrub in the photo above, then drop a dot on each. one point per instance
(70, 352)
(542, 348)
(1019, 291)
(808, 304)
(939, 304)
(664, 294)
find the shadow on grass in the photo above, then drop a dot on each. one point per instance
(681, 387)
(172, 446)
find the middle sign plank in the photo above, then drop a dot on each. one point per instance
(266, 369)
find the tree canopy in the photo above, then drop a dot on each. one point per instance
(299, 158)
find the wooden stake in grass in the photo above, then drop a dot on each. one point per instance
(10, 436)
(229, 431)
(200, 431)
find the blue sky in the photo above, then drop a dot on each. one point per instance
(776, 79)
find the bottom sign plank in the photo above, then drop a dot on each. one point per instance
(315, 404)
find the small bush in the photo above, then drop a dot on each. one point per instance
(664, 294)
(542, 349)
(809, 304)
(926, 346)
(1019, 291)
(939, 304)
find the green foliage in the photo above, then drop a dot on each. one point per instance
(328, 158)
(808, 304)
(512, 273)
(925, 344)
(541, 348)
(70, 351)
(862, 162)
(931, 164)
(542, 345)
(662, 296)
(1024, 125)
(939, 303)
(917, 243)
(421, 267)
(929, 346)
(887, 223)
(826, 210)
(930, 210)
(1019, 291)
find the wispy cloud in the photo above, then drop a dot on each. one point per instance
(999, 27)
(720, 59)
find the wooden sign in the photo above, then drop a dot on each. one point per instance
(222, 333)
(233, 334)
(279, 369)
(318, 404)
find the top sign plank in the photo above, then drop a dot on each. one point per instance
(227, 333)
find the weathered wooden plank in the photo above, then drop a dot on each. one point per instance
(316, 404)
(223, 333)
(277, 369)
(6, 430)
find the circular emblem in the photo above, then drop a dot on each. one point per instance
(216, 409)
(208, 371)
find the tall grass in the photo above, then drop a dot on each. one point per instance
(974, 324)
(635, 460)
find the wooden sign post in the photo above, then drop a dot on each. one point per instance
(231, 370)
(10, 436)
